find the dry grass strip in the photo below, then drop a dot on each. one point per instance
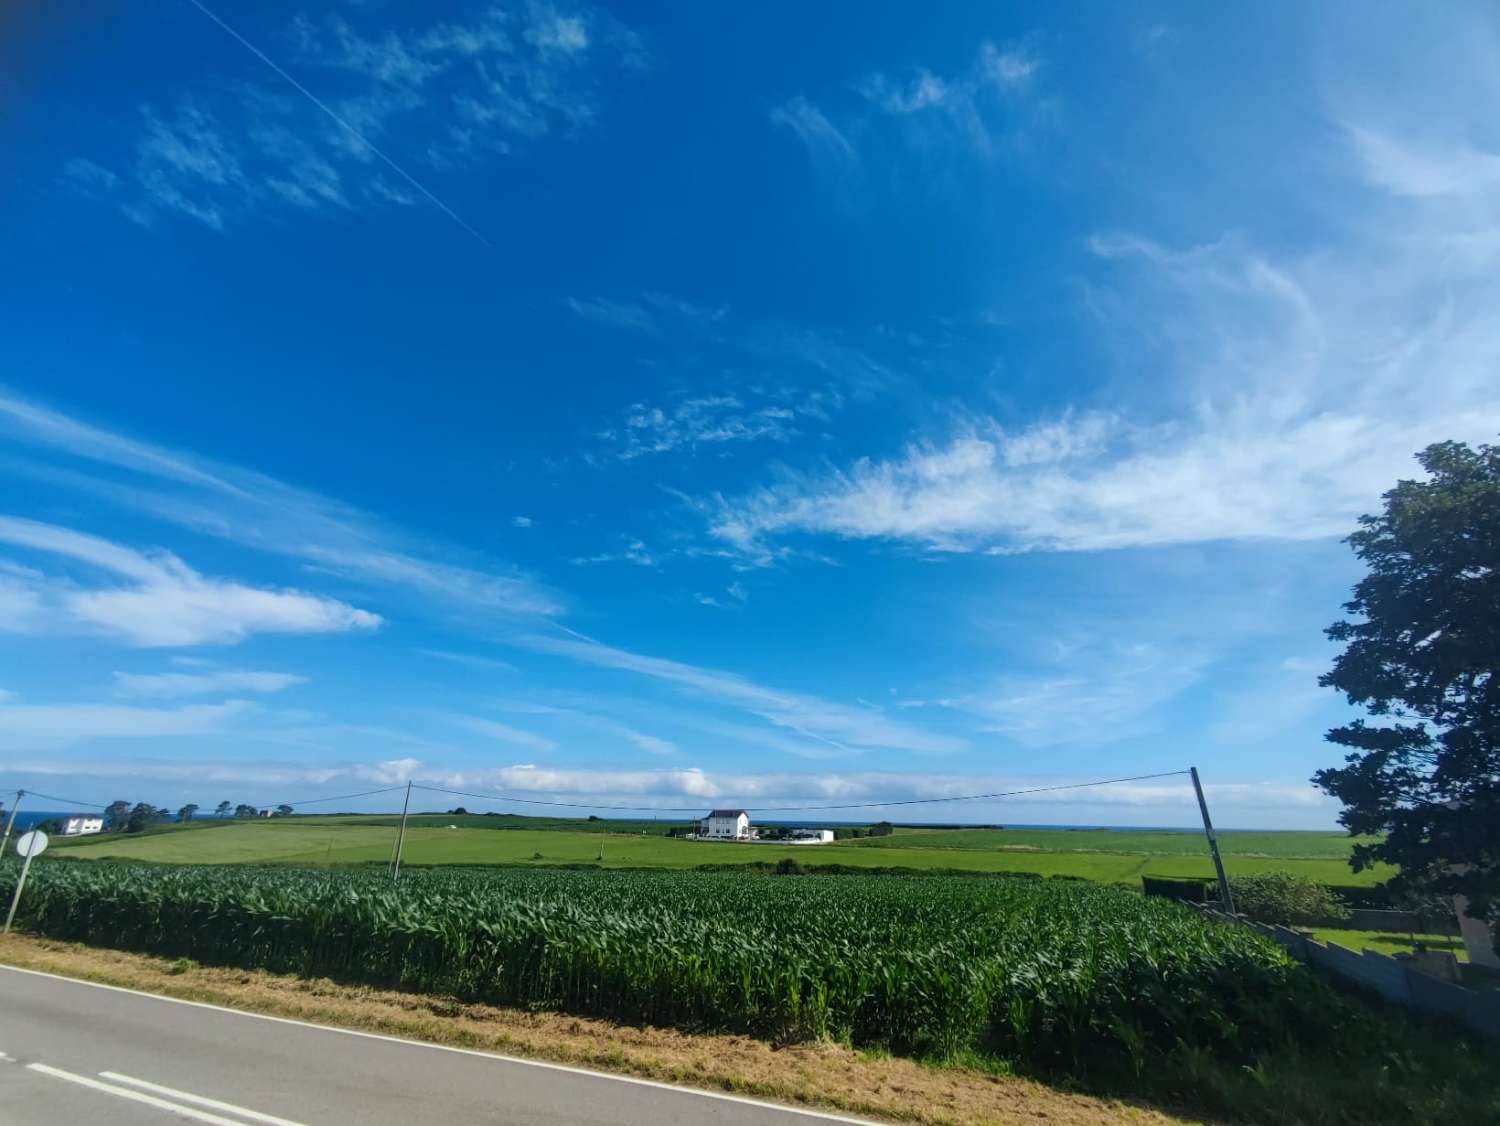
(823, 1076)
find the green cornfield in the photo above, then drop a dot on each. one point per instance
(1049, 973)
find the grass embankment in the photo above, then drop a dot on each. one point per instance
(1119, 857)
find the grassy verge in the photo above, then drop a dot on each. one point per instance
(822, 1075)
(1388, 943)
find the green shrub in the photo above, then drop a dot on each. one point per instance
(1286, 898)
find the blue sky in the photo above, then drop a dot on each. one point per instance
(674, 404)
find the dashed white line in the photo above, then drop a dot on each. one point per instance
(544, 1065)
(133, 1096)
(200, 1100)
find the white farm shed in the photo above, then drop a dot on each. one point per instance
(725, 825)
(811, 836)
(80, 826)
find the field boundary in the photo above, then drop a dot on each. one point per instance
(1395, 979)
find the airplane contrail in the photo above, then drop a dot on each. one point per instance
(353, 132)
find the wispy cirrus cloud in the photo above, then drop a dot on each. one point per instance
(444, 94)
(279, 780)
(1102, 694)
(1297, 388)
(825, 143)
(502, 732)
(993, 99)
(265, 514)
(469, 660)
(802, 378)
(690, 790)
(50, 724)
(592, 721)
(694, 422)
(841, 726)
(156, 600)
(222, 682)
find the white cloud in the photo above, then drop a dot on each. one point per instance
(266, 514)
(640, 740)
(470, 660)
(612, 314)
(65, 723)
(963, 109)
(520, 521)
(485, 86)
(784, 791)
(164, 601)
(1296, 390)
(504, 733)
(635, 551)
(295, 777)
(690, 790)
(701, 421)
(226, 681)
(1425, 171)
(1102, 692)
(824, 142)
(1008, 67)
(838, 725)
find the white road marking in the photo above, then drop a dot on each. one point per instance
(698, 1091)
(133, 1096)
(201, 1100)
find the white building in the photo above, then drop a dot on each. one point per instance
(79, 826)
(811, 836)
(725, 825)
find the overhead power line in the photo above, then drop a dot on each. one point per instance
(803, 808)
(341, 797)
(560, 804)
(549, 803)
(67, 801)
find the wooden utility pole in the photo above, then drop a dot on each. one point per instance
(401, 835)
(1225, 899)
(11, 820)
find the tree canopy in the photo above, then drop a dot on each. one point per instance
(1421, 650)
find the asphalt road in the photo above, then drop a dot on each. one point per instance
(71, 1051)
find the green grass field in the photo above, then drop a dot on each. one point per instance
(1104, 856)
(1387, 943)
(1286, 845)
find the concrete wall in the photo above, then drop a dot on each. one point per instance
(1392, 978)
(1478, 940)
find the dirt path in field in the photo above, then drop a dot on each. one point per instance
(815, 1075)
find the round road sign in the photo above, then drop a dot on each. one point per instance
(33, 843)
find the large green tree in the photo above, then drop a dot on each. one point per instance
(1422, 657)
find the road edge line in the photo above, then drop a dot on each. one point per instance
(129, 1095)
(202, 1100)
(548, 1064)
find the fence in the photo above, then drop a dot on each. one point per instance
(1393, 978)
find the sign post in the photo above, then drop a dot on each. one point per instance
(29, 845)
